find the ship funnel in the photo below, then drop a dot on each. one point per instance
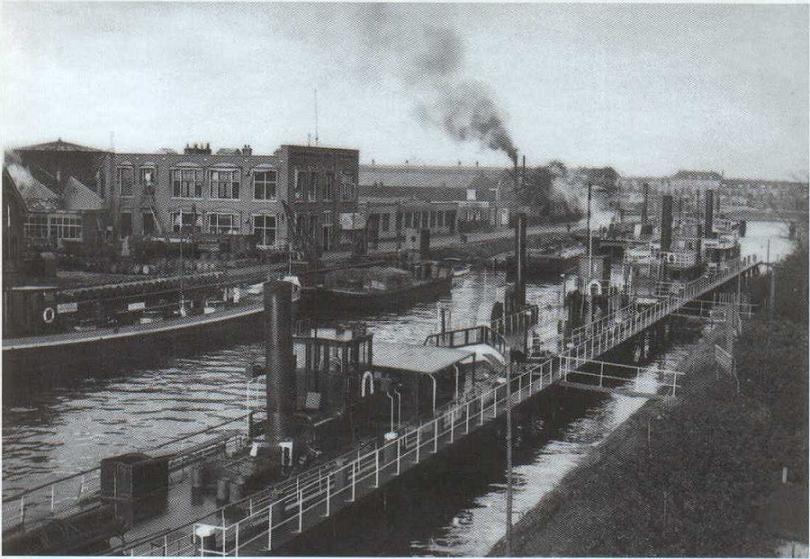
(520, 260)
(280, 364)
(666, 222)
(646, 189)
(709, 224)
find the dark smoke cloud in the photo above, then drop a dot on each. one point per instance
(429, 62)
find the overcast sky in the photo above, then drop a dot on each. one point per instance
(647, 89)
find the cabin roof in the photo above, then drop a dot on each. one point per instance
(416, 358)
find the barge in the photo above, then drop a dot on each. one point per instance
(378, 288)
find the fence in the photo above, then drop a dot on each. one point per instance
(70, 494)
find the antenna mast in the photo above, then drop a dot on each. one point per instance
(316, 116)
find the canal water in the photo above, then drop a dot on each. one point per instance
(61, 428)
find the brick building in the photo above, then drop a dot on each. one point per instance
(234, 192)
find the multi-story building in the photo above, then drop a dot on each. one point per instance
(391, 217)
(235, 192)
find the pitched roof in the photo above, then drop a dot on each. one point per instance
(58, 145)
(697, 175)
(427, 175)
(78, 197)
(36, 195)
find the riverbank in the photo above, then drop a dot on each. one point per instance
(684, 476)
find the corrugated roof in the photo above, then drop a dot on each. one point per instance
(58, 145)
(416, 358)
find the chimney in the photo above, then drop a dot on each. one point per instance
(709, 214)
(646, 190)
(520, 260)
(459, 162)
(373, 163)
(247, 150)
(515, 161)
(476, 163)
(279, 362)
(666, 222)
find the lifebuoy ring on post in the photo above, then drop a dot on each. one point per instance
(48, 315)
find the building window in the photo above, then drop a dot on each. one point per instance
(312, 187)
(347, 186)
(425, 217)
(328, 186)
(264, 185)
(187, 183)
(36, 226)
(386, 222)
(183, 221)
(440, 214)
(65, 227)
(148, 223)
(224, 184)
(221, 223)
(327, 218)
(264, 229)
(300, 180)
(147, 175)
(432, 220)
(125, 177)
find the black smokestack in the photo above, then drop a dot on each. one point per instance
(666, 222)
(520, 260)
(279, 361)
(709, 216)
(646, 189)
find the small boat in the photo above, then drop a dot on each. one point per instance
(460, 268)
(378, 287)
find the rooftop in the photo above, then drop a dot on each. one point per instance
(429, 175)
(416, 358)
(59, 145)
(697, 175)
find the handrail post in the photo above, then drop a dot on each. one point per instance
(467, 419)
(399, 452)
(328, 495)
(235, 544)
(354, 478)
(377, 467)
(418, 441)
(452, 425)
(270, 526)
(300, 511)
(481, 415)
(435, 435)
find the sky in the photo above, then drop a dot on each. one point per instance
(647, 89)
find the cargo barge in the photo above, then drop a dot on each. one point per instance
(378, 288)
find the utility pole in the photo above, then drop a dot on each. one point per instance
(509, 460)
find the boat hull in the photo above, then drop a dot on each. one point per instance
(323, 299)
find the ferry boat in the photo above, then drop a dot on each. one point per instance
(378, 287)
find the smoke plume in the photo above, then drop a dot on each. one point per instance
(428, 61)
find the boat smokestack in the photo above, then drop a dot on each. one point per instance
(646, 190)
(515, 161)
(666, 222)
(279, 362)
(520, 260)
(424, 244)
(709, 223)
(523, 173)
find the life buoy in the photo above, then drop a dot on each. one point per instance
(48, 315)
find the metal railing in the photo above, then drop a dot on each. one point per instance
(471, 335)
(70, 494)
(271, 517)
